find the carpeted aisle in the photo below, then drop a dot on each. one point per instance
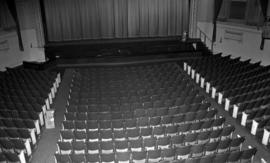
(44, 153)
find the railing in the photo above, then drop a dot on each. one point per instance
(205, 39)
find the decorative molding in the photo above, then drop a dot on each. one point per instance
(233, 35)
(4, 45)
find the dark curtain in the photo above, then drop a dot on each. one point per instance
(264, 4)
(6, 19)
(13, 11)
(217, 7)
(108, 19)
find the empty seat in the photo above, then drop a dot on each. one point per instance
(80, 125)
(93, 136)
(164, 142)
(236, 143)
(93, 147)
(143, 122)
(136, 145)
(62, 158)
(182, 152)
(223, 146)
(105, 125)
(159, 131)
(80, 135)
(131, 123)
(247, 155)
(119, 135)
(168, 154)
(146, 132)
(138, 157)
(106, 135)
(107, 158)
(117, 124)
(79, 147)
(64, 147)
(107, 147)
(78, 158)
(149, 143)
(123, 157)
(155, 121)
(133, 134)
(222, 157)
(92, 125)
(93, 158)
(178, 140)
(197, 150)
(121, 146)
(154, 156)
(234, 156)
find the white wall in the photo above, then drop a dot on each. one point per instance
(205, 10)
(12, 56)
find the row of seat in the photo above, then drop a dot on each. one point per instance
(150, 144)
(217, 66)
(99, 79)
(145, 122)
(130, 97)
(27, 76)
(153, 100)
(251, 105)
(166, 155)
(23, 134)
(28, 107)
(119, 73)
(21, 99)
(256, 86)
(164, 114)
(140, 87)
(109, 86)
(16, 146)
(213, 132)
(256, 115)
(112, 107)
(135, 142)
(135, 110)
(20, 114)
(7, 157)
(20, 124)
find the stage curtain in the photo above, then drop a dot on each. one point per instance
(109, 19)
(6, 20)
(217, 8)
(264, 4)
(255, 16)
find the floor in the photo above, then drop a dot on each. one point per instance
(46, 148)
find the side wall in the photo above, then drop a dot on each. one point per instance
(11, 56)
(32, 36)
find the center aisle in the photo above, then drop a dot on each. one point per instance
(47, 144)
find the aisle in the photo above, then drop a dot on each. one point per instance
(44, 153)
